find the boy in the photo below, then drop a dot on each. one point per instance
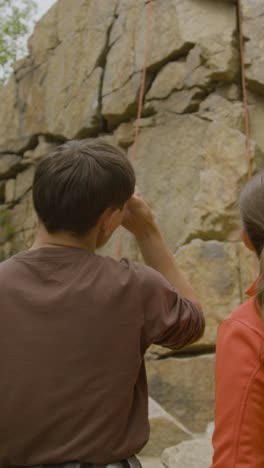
(74, 326)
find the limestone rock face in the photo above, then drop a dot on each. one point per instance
(57, 90)
(45, 37)
(170, 78)
(168, 165)
(194, 175)
(43, 148)
(214, 210)
(214, 60)
(23, 221)
(171, 384)
(175, 27)
(24, 182)
(253, 30)
(256, 110)
(12, 137)
(217, 108)
(213, 269)
(9, 164)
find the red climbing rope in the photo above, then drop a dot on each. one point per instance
(244, 88)
(140, 103)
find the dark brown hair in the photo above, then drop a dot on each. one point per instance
(77, 182)
(252, 215)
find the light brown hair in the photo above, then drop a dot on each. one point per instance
(78, 181)
(252, 215)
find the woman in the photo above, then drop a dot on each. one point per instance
(239, 410)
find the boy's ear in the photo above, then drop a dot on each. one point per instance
(246, 240)
(110, 220)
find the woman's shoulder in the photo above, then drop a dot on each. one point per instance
(248, 317)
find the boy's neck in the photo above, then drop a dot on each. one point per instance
(64, 239)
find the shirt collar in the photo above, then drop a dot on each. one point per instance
(252, 290)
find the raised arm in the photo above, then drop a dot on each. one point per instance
(140, 221)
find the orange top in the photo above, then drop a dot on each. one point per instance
(239, 408)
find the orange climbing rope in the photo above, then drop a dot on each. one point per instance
(142, 89)
(140, 103)
(244, 88)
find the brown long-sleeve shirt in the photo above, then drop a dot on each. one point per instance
(74, 328)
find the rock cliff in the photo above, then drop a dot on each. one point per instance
(82, 78)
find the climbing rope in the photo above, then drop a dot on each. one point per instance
(244, 88)
(142, 89)
(140, 103)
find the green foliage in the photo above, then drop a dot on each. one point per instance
(16, 19)
(6, 230)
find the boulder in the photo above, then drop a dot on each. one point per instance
(170, 78)
(230, 91)
(150, 462)
(125, 134)
(171, 384)
(165, 430)
(212, 59)
(217, 108)
(195, 453)
(180, 102)
(122, 104)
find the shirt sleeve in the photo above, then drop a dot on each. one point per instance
(169, 319)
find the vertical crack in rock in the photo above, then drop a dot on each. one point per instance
(102, 63)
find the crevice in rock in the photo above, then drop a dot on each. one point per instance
(210, 235)
(51, 138)
(115, 90)
(152, 72)
(31, 144)
(102, 60)
(173, 57)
